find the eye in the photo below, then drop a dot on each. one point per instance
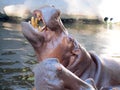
(70, 39)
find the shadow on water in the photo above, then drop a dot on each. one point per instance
(17, 57)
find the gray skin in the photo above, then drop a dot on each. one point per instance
(54, 42)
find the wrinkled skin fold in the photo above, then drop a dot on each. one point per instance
(50, 39)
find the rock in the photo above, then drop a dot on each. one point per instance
(17, 11)
(3, 17)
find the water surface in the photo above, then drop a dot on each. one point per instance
(17, 57)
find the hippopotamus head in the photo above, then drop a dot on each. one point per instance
(51, 40)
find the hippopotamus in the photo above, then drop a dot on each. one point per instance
(52, 40)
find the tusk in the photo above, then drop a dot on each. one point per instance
(34, 22)
(39, 29)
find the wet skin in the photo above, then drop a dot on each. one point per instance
(53, 41)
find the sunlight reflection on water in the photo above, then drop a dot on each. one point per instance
(102, 39)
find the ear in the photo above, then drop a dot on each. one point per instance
(76, 51)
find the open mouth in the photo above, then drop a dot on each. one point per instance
(47, 18)
(38, 23)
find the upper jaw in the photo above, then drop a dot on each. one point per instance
(48, 16)
(45, 17)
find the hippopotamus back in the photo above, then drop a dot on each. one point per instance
(107, 73)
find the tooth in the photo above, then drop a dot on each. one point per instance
(36, 23)
(39, 29)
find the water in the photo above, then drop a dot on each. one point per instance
(103, 39)
(17, 57)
